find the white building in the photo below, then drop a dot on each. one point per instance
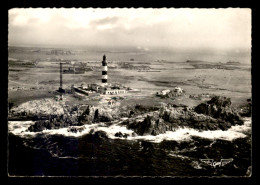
(166, 91)
(115, 91)
(178, 90)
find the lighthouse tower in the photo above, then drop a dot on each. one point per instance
(104, 71)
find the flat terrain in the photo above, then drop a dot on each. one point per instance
(98, 149)
(34, 74)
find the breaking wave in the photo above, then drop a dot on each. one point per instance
(181, 134)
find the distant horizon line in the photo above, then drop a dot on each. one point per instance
(141, 48)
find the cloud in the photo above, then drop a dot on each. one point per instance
(183, 28)
(106, 20)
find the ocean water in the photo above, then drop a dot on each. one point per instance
(127, 53)
(97, 152)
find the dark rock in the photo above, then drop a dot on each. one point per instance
(246, 109)
(96, 116)
(134, 134)
(216, 114)
(88, 115)
(161, 127)
(106, 117)
(91, 131)
(54, 123)
(143, 109)
(150, 126)
(118, 134)
(141, 127)
(93, 115)
(131, 113)
(75, 129)
(220, 101)
(38, 126)
(43, 125)
(100, 134)
(220, 108)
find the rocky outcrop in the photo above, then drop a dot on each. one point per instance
(55, 123)
(76, 129)
(119, 134)
(71, 117)
(95, 114)
(150, 125)
(43, 106)
(142, 127)
(188, 118)
(245, 110)
(88, 115)
(216, 114)
(220, 108)
(171, 119)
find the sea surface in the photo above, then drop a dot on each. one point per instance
(97, 152)
(126, 53)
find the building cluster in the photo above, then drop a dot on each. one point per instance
(95, 89)
(177, 91)
(104, 88)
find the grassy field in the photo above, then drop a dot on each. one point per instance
(32, 82)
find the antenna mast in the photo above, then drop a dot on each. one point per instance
(61, 81)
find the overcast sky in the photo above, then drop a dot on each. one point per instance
(171, 28)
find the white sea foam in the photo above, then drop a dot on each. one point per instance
(20, 127)
(181, 134)
(242, 128)
(185, 134)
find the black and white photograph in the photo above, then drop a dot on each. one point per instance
(129, 92)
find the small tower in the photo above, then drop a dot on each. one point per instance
(104, 71)
(61, 90)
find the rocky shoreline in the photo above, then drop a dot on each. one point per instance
(215, 114)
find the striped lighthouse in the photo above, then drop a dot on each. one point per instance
(104, 71)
